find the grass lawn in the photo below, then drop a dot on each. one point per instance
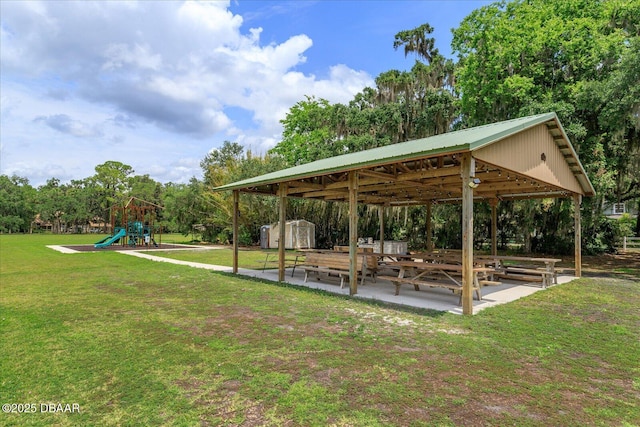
(252, 258)
(135, 342)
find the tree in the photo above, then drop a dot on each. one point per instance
(77, 204)
(111, 183)
(50, 204)
(17, 204)
(184, 206)
(68, 207)
(227, 164)
(616, 104)
(113, 177)
(416, 41)
(308, 134)
(580, 60)
(224, 157)
(145, 188)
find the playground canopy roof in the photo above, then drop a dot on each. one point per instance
(528, 157)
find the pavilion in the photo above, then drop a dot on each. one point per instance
(528, 157)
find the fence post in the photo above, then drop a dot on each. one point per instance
(624, 243)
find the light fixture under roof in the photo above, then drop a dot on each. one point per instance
(474, 182)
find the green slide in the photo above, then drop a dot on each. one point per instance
(111, 239)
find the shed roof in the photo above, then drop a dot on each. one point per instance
(525, 157)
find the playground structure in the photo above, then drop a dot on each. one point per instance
(136, 219)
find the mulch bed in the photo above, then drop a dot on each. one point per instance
(118, 247)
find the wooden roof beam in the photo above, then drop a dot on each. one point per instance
(376, 174)
(324, 193)
(296, 187)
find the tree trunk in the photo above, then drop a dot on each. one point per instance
(638, 220)
(527, 242)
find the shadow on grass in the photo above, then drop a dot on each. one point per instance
(625, 275)
(426, 312)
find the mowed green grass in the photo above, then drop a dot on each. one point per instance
(247, 258)
(135, 342)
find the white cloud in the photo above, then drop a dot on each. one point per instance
(119, 55)
(211, 18)
(65, 124)
(144, 71)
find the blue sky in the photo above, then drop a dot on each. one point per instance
(157, 85)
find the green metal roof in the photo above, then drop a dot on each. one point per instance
(451, 142)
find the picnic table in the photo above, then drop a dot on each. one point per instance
(384, 258)
(436, 275)
(533, 273)
(336, 263)
(436, 257)
(543, 269)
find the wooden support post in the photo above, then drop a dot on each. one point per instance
(428, 228)
(577, 200)
(467, 172)
(282, 231)
(236, 214)
(353, 232)
(494, 226)
(381, 220)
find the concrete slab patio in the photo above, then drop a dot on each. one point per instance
(381, 290)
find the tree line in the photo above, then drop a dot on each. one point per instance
(579, 58)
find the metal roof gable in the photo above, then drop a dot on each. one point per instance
(448, 143)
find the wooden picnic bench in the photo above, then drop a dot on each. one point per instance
(436, 275)
(454, 258)
(443, 258)
(372, 259)
(546, 275)
(333, 263)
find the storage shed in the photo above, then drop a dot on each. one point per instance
(299, 234)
